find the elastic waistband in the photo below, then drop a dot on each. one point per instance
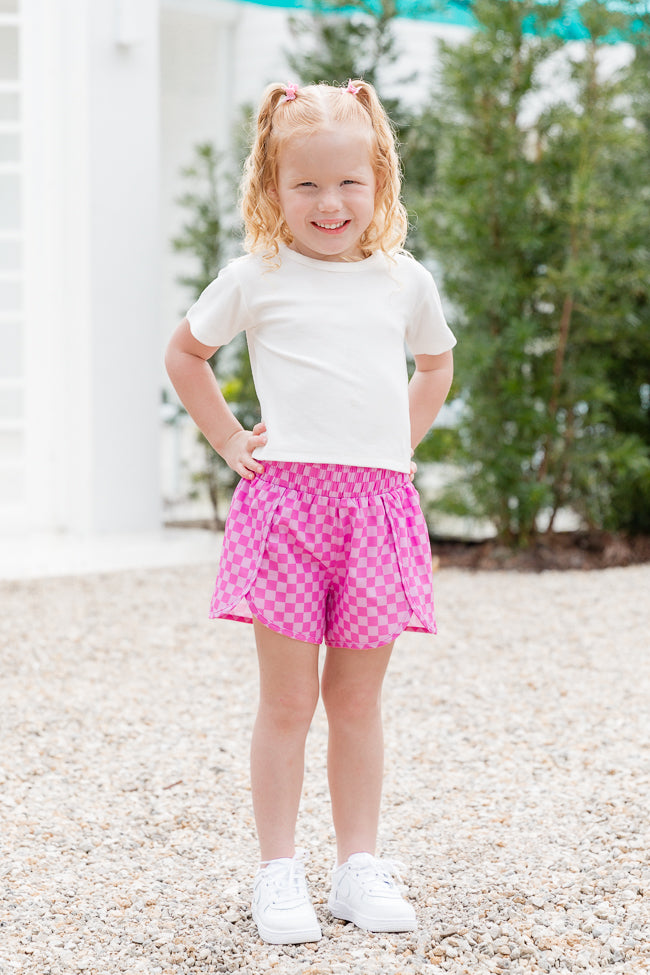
(332, 480)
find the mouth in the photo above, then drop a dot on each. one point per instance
(330, 226)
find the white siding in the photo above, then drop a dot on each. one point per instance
(91, 232)
(12, 316)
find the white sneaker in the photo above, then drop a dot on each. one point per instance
(282, 909)
(364, 892)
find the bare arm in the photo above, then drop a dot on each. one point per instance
(428, 390)
(193, 379)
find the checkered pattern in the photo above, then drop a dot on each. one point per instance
(327, 552)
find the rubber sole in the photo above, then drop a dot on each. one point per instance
(383, 925)
(288, 937)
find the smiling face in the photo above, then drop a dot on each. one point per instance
(326, 190)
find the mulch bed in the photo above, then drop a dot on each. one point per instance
(560, 550)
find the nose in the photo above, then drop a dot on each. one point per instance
(329, 200)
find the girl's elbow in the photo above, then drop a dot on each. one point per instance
(170, 360)
(177, 348)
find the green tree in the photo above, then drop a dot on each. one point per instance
(210, 235)
(597, 282)
(533, 225)
(629, 373)
(208, 231)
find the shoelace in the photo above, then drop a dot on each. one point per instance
(288, 887)
(380, 873)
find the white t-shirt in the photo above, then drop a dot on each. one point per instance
(326, 342)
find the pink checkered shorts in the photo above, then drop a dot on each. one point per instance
(327, 552)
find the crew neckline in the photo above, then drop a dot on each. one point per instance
(338, 267)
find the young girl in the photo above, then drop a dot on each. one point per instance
(325, 540)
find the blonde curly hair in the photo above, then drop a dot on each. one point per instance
(305, 111)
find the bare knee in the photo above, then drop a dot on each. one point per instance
(289, 711)
(351, 705)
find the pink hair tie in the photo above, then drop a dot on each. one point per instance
(352, 89)
(290, 92)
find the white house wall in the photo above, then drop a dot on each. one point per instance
(12, 313)
(92, 265)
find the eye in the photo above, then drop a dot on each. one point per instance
(349, 182)
(306, 183)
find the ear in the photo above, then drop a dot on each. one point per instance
(272, 192)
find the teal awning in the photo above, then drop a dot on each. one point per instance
(459, 13)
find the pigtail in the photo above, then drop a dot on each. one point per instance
(365, 94)
(389, 227)
(261, 212)
(273, 95)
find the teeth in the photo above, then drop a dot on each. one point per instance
(331, 226)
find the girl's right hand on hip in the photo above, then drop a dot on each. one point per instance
(238, 451)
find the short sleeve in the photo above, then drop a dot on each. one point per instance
(427, 332)
(220, 312)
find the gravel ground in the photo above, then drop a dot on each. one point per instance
(517, 781)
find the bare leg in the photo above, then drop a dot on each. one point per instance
(351, 688)
(288, 696)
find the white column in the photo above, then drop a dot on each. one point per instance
(92, 262)
(12, 311)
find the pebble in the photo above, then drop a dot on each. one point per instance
(515, 788)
